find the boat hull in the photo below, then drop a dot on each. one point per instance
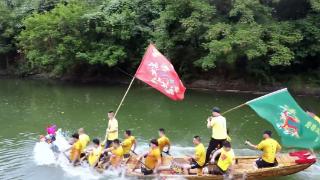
(244, 169)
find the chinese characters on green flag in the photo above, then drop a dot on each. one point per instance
(295, 127)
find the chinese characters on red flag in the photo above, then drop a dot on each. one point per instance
(158, 72)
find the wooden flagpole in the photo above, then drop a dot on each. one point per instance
(237, 107)
(124, 96)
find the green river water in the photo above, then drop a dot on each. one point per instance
(28, 106)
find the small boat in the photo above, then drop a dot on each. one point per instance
(243, 169)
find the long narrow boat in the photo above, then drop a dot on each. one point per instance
(243, 169)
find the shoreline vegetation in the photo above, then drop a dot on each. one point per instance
(234, 45)
(219, 85)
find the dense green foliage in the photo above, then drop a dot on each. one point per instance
(261, 40)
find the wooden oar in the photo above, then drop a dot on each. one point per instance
(167, 152)
(140, 160)
(64, 153)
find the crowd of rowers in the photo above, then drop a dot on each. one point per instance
(111, 152)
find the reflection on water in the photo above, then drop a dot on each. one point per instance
(27, 107)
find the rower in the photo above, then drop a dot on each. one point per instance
(75, 149)
(269, 147)
(129, 144)
(198, 160)
(94, 153)
(226, 160)
(116, 154)
(163, 141)
(84, 140)
(152, 159)
(112, 130)
(219, 131)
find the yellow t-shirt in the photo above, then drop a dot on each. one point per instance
(317, 118)
(117, 156)
(163, 142)
(76, 147)
(269, 147)
(219, 127)
(94, 155)
(84, 140)
(200, 154)
(112, 126)
(226, 159)
(152, 158)
(127, 144)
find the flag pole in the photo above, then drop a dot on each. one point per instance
(237, 107)
(124, 96)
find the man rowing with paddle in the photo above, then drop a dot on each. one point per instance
(197, 161)
(129, 144)
(152, 160)
(163, 141)
(75, 149)
(116, 156)
(94, 153)
(112, 130)
(270, 148)
(225, 162)
(219, 131)
(84, 140)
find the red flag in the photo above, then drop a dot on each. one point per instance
(158, 72)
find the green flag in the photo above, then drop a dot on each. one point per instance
(295, 127)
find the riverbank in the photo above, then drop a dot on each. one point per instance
(214, 84)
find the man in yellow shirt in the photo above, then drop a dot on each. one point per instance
(116, 156)
(163, 141)
(128, 144)
(84, 139)
(94, 153)
(219, 131)
(112, 130)
(75, 149)
(198, 160)
(270, 148)
(226, 160)
(152, 160)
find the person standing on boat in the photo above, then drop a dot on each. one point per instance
(219, 131)
(152, 160)
(75, 149)
(163, 141)
(270, 148)
(112, 130)
(84, 140)
(226, 160)
(129, 143)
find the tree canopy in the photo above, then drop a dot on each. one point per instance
(256, 39)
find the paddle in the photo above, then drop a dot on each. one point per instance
(64, 153)
(167, 152)
(140, 160)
